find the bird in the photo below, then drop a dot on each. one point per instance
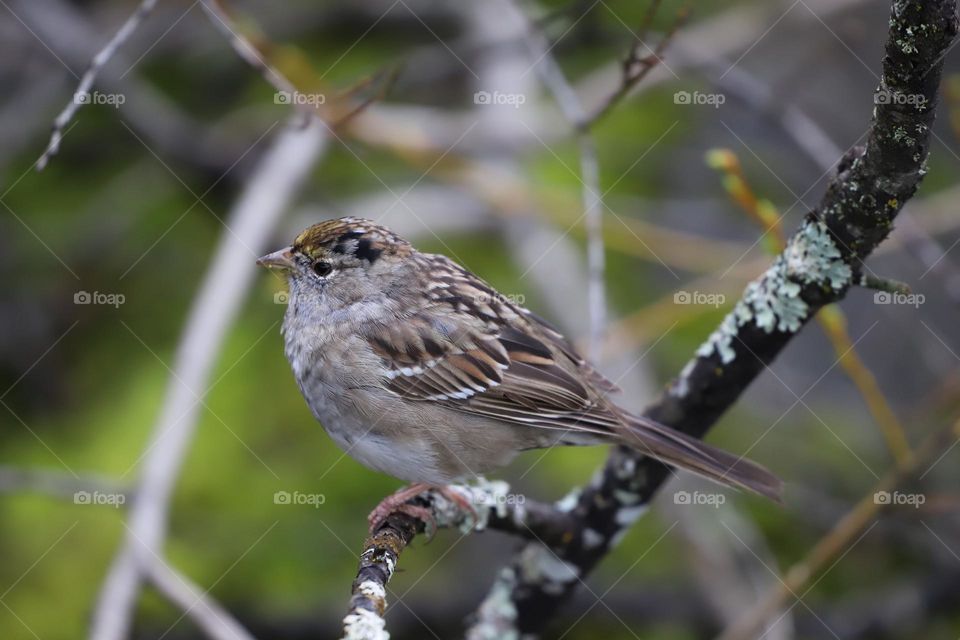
(419, 369)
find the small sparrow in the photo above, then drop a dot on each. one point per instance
(421, 370)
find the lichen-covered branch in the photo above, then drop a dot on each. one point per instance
(494, 507)
(821, 261)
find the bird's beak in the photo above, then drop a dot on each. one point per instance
(282, 259)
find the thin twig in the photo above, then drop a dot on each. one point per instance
(636, 65)
(252, 55)
(553, 77)
(90, 75)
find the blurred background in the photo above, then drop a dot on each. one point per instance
(459, 144)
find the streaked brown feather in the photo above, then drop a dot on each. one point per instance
(474, 351)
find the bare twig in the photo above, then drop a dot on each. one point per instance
(851, 526)
(252, 55)
(636, 65)
(258, 210)
(90, 75)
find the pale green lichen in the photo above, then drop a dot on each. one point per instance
(374, 591)
(900, 135)
(626, 497)
(569, 502)
(364, 625)
(497, 615)
(540, 565)
(488, 497)
(773, 302)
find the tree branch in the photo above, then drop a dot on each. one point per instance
(494, 507)
(819, 264)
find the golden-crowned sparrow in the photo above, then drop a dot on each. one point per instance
(419, 369)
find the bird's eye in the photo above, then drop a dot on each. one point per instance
(322, 268)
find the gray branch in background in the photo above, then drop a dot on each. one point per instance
(59, 484)
(566, 98)
(276, 180)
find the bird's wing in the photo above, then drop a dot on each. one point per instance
(474, 351)
(482, 367)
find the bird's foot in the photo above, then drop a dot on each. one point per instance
(399, 503)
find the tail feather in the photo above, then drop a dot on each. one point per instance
(679, 450)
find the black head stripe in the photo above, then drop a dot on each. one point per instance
(354, 243)
(366, 251)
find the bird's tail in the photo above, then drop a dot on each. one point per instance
(677, 449)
